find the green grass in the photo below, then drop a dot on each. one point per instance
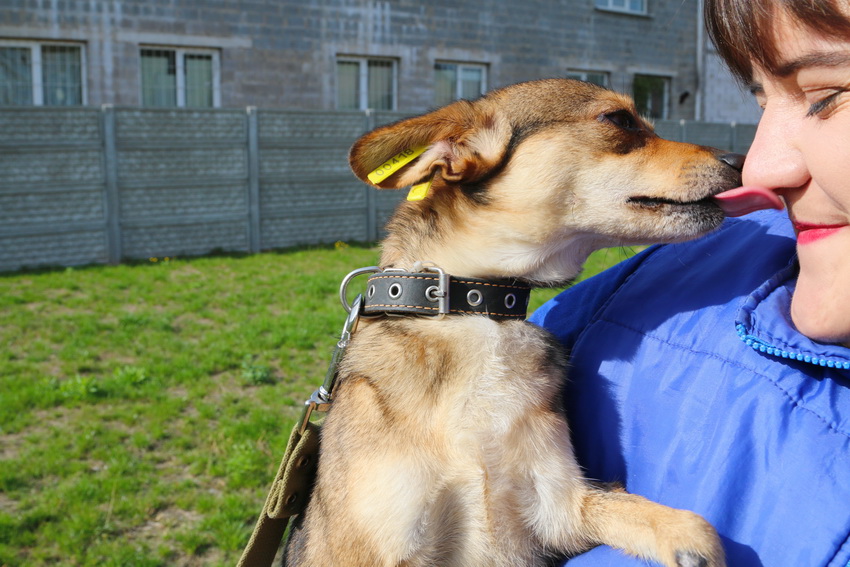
(144, 408)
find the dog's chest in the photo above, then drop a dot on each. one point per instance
(434, 416)
(467, 370)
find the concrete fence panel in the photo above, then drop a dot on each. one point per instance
(52, 207)
(91, 186)
(182, 181)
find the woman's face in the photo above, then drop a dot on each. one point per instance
(802, 152)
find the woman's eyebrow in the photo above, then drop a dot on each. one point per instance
(816, 59)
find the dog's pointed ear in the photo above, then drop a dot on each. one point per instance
(461, 142)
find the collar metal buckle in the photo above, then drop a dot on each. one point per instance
(439, 292)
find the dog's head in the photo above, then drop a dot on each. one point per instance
(530, 179)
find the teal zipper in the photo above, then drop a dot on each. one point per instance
(766, 348)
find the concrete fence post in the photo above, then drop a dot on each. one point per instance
(733, 136)
(371, 193)
(254, 234)
(112, 197)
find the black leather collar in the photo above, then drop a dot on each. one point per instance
(436, 293)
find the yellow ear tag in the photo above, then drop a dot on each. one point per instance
(395, 163)
(420, 190)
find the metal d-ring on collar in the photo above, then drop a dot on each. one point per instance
(343, 287)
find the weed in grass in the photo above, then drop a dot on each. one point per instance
(144, 407)
(255, 373)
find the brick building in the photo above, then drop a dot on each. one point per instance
(355, 54)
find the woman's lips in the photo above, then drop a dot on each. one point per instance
(808, 233)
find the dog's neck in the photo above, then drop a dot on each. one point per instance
(464, 240)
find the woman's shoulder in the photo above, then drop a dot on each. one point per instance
(719, 268)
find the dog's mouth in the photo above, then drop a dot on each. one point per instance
(658, 202)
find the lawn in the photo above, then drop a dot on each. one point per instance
(144, 407)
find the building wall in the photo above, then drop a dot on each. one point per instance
(282, 53)
(725, 99)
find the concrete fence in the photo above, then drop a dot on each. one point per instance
(91, 186)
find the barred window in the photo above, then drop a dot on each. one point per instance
(38, 74)
(596, 77)
(180, 77)
(651, 94)
(453, 81)
(364, 83)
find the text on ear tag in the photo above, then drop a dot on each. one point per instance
(395, 163)
(420, 190)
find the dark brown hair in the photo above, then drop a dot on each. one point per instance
(742, 30)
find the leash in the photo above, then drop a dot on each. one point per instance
(427, 291)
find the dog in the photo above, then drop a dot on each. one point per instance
(446, 444)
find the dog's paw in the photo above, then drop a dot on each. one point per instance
(690, 559)
(690, 541)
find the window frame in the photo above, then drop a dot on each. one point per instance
(608, 6)
(363, 80)
(37, 67)
(180, 54)
(581, 75)
(461, 65)
(667, 81)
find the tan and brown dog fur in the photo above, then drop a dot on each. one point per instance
(446, 444)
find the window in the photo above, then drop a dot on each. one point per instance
(180, 77)
(453, 81)
(596, 77)
(651, 94)
(41, 74)
(363, 83)
(629, 6)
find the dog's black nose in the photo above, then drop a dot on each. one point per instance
(734, 160)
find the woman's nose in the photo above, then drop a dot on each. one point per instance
(774, 160)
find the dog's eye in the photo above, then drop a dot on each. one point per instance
(621, 119)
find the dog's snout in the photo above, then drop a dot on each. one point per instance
(736, 161)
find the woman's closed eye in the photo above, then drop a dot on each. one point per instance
(821, 106)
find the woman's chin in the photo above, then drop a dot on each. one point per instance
(820, 319)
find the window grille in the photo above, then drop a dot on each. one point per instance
(41, 74)
(365, 83)
(15, 76)
(179, 77)
(62, 70)
(454, 81)
(159, 77)
(651, 94)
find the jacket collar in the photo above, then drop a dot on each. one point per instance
(764, 323)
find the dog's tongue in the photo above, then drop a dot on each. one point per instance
(745, 200)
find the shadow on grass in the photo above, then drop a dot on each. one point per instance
(214, 253)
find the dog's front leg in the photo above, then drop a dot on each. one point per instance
(677, 538)
(570, 515)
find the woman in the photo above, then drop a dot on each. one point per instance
(715, 375)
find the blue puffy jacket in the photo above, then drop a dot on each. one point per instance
(690, 385)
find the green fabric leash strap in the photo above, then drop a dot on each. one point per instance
(293, 483)
(288, 496)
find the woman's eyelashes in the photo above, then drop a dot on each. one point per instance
(820, 107)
